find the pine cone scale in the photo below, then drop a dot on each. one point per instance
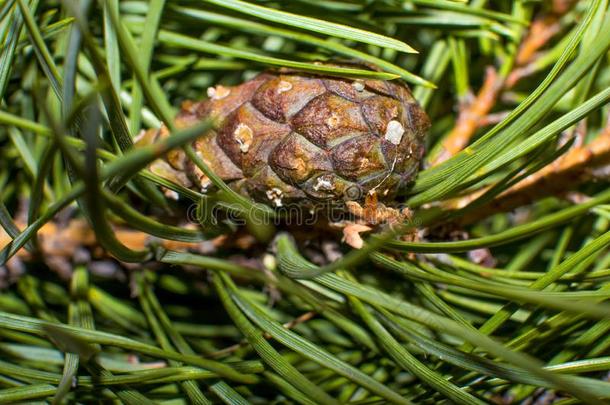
(282, 97)
(297, 159)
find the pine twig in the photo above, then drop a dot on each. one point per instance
(61, 242)
(470, 117)
(541, 31)
(577, 166)
(475, 114)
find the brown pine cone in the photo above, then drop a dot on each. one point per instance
(294, 138)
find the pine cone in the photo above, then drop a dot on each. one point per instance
(293, 138)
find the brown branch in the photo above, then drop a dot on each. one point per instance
(61, 243)
(577, 166)
(541, 31)
(562, 6)
(475, 114)
(470, 117)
